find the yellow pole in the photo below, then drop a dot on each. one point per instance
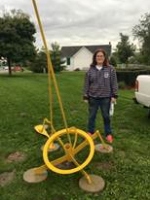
(103, 143)
(50, 68)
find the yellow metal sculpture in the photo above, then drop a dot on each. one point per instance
(71, 139)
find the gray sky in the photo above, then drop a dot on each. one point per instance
(83, 22)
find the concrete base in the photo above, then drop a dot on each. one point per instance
(31, 177)
(103, 148)
(96, 185)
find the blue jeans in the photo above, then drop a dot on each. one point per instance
(104, 105)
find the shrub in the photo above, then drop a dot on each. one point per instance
(122, 85)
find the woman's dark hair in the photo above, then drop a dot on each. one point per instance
(94, 63)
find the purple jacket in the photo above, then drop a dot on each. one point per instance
(100, 83)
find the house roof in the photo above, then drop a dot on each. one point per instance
(69, 51)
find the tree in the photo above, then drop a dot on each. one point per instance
(124, 49)
(40, 63)
(142, 32)
(113, 61)
(56, 57)
(17, 37)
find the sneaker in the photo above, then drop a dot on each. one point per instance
(90, 134)
(109, 138)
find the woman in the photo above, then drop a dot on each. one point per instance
(100, 89)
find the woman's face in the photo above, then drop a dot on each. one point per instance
(100, 58)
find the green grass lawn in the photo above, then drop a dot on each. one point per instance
(24, 103)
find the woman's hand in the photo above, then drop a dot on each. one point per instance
(86, 101)
(113, 100)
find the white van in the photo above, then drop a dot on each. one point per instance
(142, 91)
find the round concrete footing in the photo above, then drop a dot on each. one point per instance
(54, 147)
(31, 177)
(103, 148)
(97, 184)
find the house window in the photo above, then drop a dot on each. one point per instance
(68, 61)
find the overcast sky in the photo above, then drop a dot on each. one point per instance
(82, 22)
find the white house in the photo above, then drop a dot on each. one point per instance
(80, 57)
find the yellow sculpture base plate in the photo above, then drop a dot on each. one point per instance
(96, 185)
(54, 147)
(103, 148)
(31, 177)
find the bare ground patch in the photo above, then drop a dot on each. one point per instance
(6, 178)
(16, 157)
(104, 165)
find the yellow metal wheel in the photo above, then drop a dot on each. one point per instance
(72, 142)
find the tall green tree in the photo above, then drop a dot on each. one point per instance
(55, 53)
(17, 37)
(142, 32)
(124, 49)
